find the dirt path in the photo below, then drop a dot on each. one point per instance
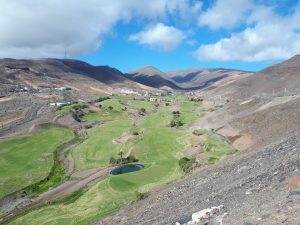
(71, 186)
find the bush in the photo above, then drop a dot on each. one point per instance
(135, 133)
(131, 159)
(88, 126)
(101, 99)
(176, 112)
(167, 103)
(83, 106)
(112, 161)
(186, 164)
(176, 123)
(200, 132)
(142, 110)
(110, 108)
(78, 115)
(196, 100)
(141, 196)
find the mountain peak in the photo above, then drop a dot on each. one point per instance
(146, 70)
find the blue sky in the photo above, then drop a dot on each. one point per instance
(167, 34)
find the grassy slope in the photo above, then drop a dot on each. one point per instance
(216, 149)
(157, 150)
(27, 160)
(113, 103)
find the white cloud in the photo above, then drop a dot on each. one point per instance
(166, 38)
(225, 14)
(272, 37)
(31, 28)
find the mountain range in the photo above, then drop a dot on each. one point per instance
(83, 76)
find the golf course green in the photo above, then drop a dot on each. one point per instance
(146, 136)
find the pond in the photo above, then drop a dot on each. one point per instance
(127, 169)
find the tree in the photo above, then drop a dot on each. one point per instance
(121, 154)
(113, 161)
(142, 110)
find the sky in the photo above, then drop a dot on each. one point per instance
(167, 34)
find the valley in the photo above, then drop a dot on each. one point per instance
(201, 140)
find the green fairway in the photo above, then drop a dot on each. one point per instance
(98, 148)
(189, 112)
(27, 160)
(158, 147)
(105, 116)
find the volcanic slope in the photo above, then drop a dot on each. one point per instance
(259, 109)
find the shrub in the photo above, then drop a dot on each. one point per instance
(88, 126)
(142, 110)
(135, 133)
(110, 108)
(167, 103)
(141, 196)
(196, 99)
(83, 106)
(200, 132)
(176, 112)
(186, 164)
(176, 123)
(120, 160)
(112, 161)
(78, 115)
(131, 159)
(101, 99)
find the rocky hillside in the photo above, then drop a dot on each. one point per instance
(30, 89)
(74, 74)
(258, 109)
(197, 78)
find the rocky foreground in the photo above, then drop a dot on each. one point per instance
(255, 187)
